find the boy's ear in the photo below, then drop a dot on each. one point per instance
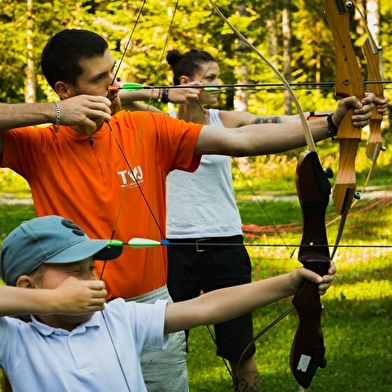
(25, 281)
(63, 90)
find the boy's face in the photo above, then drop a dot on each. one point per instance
(53, 275)
(97, 77)
(56, 273)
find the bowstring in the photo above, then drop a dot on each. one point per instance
(128, 161)
(121, 201)
(233, 376)
(235, 161)
(134, 178)
(135, 23)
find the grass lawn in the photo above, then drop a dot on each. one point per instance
(357, 315)
(357, 309)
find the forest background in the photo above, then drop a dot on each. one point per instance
(294, 35)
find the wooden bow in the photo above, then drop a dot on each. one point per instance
(348, 82)
(307, 353)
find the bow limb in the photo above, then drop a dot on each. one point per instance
(374, 146)
(313, 188)
(372, 54)
(348, 82)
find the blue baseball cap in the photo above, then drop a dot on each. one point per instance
(49, 240)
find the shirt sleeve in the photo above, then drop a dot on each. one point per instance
(148, 322)
(173, 141)
(23, 147)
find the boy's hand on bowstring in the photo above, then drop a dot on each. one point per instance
(75, 296)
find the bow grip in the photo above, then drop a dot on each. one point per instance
(308, 350)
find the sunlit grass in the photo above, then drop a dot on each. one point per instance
(357, 309)
(362, 291)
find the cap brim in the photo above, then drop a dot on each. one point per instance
(84, 249)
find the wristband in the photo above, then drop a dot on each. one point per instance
(165, 95)
(332, 128)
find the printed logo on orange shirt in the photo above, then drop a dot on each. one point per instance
(130, 179)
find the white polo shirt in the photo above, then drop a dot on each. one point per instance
(37, 357)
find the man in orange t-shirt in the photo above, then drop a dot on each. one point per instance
(87, 179)
(110, 179)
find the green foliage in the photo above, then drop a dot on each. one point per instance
(10, 182)
(195, 25)
(49, 18)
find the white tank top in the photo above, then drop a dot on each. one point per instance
(202, 204)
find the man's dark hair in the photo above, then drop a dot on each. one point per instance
(62, 54)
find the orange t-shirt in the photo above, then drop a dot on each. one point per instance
(107, 194)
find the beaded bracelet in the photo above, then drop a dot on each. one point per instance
(56, 125)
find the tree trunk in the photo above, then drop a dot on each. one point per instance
(286, 30)
(373, 18)
(30, 96)
(241, 95)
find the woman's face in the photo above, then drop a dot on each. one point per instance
(208, 75)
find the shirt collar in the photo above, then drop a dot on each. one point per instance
(47, 330)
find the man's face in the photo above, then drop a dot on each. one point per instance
(97, 77)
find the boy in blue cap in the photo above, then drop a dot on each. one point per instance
(48, 266)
